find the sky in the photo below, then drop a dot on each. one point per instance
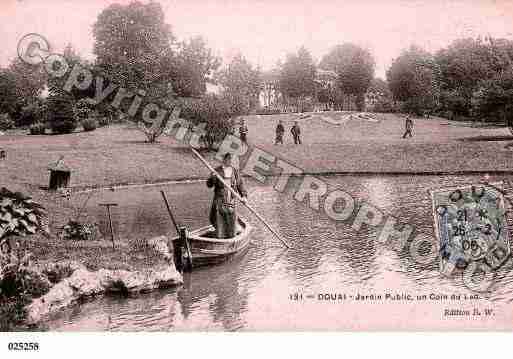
(265, 31)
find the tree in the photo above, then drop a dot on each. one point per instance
(414, 79)
(354, 67)
(156, 129)
(8, 96)
(297, 76)
(30, 80)
(192, 67)
(133, 47)
(494, 98)
(72, 57)
(21, 84)
(240, 79)
(324, 95)
(379, 96)
(463, 64)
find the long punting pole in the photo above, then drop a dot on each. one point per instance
(239, 197)
(170, 212)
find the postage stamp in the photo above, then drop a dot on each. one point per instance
(470, 224)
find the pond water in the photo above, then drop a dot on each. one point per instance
(253, 292)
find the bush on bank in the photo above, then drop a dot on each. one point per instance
(32, 113)
(61, 116)
(37, 128)
(6, 123)
(19, 281)
(218, 113)
(89, 124)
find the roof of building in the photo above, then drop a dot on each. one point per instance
(320, 75)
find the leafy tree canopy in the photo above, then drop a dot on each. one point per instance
(239, 78)
(193, 67)
(354, 66)
(414, 79)
(133, 47)
(297, 75)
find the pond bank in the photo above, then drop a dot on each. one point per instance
(122, 186)
(81, 283)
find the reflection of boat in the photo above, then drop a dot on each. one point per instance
(206, 249)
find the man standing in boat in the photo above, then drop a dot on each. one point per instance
(223, 213)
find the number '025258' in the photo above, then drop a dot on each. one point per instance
(20, 346)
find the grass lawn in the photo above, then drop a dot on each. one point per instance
(119, 155)
(367, 146)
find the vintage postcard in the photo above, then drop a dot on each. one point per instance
(247, 165)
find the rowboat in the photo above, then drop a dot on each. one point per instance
(206, 249)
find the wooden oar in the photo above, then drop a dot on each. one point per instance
(170, 212)
(239, 197)
(181, 233)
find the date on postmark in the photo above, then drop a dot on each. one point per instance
(470, 225)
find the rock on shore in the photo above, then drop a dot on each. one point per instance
(83, 283)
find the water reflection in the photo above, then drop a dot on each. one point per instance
(380, 192)
(225, 297)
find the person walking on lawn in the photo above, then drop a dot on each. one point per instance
(296, 133)
(408, 127)
(243, 132)
(280, 130)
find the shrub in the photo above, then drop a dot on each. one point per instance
(305, 105)
(89, 124)
(217, 113)
(37, 128)
(103, 121)
(19, 282)
(77, 231)
(12, 312)
(6, 123)
(384, 106)
(31, 113)
(107, 115)
(268, 111)
(83, 110)
(56, 272)
(61, 117)
(19, 214)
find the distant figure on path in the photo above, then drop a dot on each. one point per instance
(223, 215)
(296, 133)
(280, 130)
(408, 127)
(243, 132)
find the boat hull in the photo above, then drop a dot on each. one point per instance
(208, 250)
